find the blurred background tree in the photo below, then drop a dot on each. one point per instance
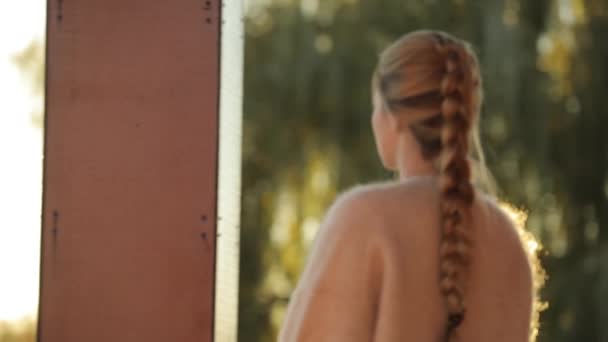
(307, 135)
(20, 331)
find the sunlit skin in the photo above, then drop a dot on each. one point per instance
(373, 276)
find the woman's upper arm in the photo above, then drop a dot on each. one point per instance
(518, 289)
(336, 297)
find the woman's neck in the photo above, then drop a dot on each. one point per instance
(410, 162)
(415, 167)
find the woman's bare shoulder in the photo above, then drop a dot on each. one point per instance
(359, 207)
(500, 223)
(377, 208)
(413, 203)
(381, 193)
(416, 201)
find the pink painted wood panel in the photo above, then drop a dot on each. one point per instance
(130, 171)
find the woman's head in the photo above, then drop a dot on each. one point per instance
(427, 97)
(408, 87)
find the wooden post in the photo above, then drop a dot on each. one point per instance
(130, 221)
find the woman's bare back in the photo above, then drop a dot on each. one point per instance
(373, 272)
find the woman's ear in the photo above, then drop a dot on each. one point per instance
(393, 122)
(397, 123)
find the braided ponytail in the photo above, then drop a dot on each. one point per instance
(456, 190)
(430, 82)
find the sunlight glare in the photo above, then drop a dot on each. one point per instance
(21, 22)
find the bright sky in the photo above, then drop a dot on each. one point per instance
(21, 163)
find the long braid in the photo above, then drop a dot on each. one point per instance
(430, 82)
(456, 190)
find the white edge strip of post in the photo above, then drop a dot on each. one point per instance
(229, 172)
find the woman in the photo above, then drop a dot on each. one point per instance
(428, 257)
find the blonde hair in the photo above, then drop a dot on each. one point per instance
(435, 77)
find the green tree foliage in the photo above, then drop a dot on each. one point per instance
(307, 135)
